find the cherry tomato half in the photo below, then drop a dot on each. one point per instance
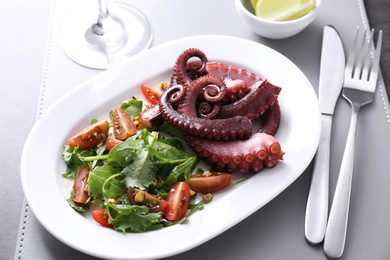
(80, 192)
(209, 182)
(150, 94)
(90, 136)
(101, 217)
(178, 200)
(123, 125)
(140, 197)
(111, 143)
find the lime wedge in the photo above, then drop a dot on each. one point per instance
(254, 3)
(283, 10)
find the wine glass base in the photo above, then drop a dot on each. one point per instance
(82, 46)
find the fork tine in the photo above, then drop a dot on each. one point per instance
(352, 55)
(367, 52)
(375, 67)
(361, 56)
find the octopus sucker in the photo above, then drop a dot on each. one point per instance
(249, 158)
(225, 159)
(274, 148)
(215, 158)
(261, 154)
(237, 159)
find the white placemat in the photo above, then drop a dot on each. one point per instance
(276, 231)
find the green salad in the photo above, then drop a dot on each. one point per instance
(135, 176)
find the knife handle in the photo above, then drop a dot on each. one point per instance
(317, 202)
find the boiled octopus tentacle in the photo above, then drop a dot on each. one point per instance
(262, 95)
(254, 154)
(218, 129)
(270, 121)
(185, 71)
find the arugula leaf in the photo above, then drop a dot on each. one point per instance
(134, 218)
(183, 170)
(100, 178)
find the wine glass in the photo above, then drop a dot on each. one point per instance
(112, 34)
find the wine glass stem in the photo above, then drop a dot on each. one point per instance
(103, 18)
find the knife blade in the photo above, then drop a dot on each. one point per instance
(330, 84)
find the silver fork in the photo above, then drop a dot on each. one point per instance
(361, 75)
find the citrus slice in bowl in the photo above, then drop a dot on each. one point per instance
(254, 3)
(283, 10)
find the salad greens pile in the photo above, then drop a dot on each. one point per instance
(148, 160)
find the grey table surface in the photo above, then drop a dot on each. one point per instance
(23, 48)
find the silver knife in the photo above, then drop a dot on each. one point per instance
(330, 84)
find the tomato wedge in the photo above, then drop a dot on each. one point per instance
(178, 200)
(209, 182)
(140, 197)
(150, 94)
(111, 143)
(90, 136)
(123, 125)
(80, 191)
(101, 217)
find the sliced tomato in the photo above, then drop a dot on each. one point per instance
(80, 191)
(140, 197)
(178, 200)
(123, 125)
(90, 136)
(209, 182)
(150, 94)
(101, 217)
(111, 143)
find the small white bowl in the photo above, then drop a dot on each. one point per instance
(274, 29)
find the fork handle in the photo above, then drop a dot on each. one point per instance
(338, 217)
(317, 201)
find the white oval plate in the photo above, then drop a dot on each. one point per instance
(41, 166)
